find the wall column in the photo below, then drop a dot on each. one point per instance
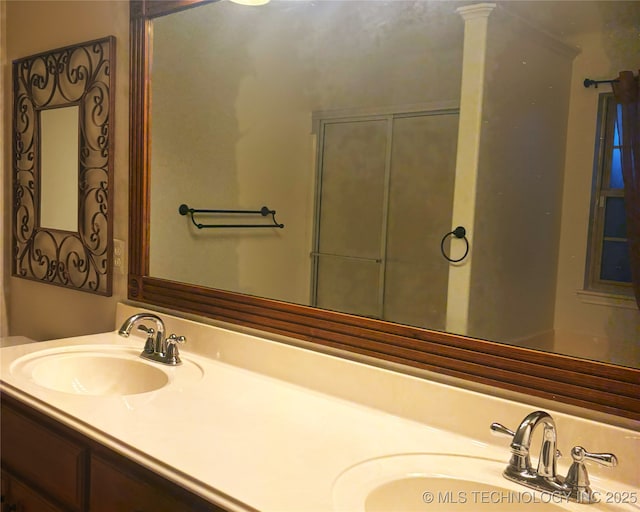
(476, 21)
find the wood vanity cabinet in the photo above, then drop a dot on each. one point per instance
(41, 459)
(48, 467)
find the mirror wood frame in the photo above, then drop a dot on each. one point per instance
(589, 384)
(83, 76)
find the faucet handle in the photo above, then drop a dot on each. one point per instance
(173, 339)
(173, 354)
(579, 454)
(500, 429)
(149, 343)
(577, 480)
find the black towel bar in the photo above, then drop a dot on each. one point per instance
(264, 211)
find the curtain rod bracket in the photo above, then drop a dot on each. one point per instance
(588, 82)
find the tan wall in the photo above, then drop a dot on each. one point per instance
(602, 332)
(42, 311)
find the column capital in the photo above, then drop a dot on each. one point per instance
(471, 12)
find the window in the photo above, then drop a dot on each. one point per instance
(608, 266)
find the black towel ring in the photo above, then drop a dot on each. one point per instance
(459, 232)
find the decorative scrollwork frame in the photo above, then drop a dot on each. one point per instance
(79, 75)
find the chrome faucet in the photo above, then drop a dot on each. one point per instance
(151, 345)
(520, 468)
(575, 486)
(157, 347)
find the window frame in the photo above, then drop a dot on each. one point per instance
(600, 192)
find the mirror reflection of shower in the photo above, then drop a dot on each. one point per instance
(384, 195)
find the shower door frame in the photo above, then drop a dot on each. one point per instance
(320, 120)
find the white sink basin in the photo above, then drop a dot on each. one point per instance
(417, 493)
(99, 370)
(443, 483)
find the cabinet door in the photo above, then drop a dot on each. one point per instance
(46, 467)
(17, 497)
(117, 486)
(43, 457)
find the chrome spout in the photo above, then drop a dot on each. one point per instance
(521, 444)
(519, 468)
(159, 341)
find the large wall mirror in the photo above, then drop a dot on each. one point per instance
(373, 129)
(63, 166)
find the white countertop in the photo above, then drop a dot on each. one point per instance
(271, 444)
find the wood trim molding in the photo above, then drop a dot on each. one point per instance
(590, 384)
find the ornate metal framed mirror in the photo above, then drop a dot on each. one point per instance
(62, 166)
